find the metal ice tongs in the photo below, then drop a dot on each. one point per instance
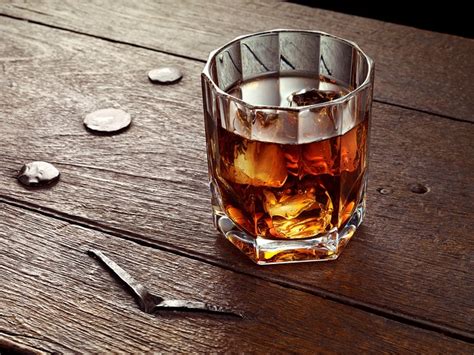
(150, 303)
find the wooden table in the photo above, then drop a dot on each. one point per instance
(405, 282)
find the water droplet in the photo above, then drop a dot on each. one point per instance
(165, 75)
(38, 174)
(107, 121)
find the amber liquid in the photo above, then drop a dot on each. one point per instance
(290, 191)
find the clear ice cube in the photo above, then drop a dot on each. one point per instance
(311, 97)
(258, 164)
(288, 206)
(298, 215)
(318, 158)
(350, 156)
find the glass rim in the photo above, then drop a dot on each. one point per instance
(367, 81)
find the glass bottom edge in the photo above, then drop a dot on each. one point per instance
(324, 247)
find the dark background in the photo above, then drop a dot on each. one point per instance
(441, 16)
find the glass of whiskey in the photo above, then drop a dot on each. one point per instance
(287, 116)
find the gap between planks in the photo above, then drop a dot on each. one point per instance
(10, 346)
(407, 319)
(40, 23)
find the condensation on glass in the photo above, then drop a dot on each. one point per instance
(287, 118)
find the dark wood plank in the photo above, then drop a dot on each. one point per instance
(56, 298)
(414, 68)
(411, 259)
(9, 346)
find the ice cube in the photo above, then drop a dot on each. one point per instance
(286, 212)
(239, 218)
(258, 164)
(350, 157)
(318, 158)
(301, 227)
(288, 206)
(293, 159)
(311, 97)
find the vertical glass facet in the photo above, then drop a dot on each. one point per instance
(287, 118)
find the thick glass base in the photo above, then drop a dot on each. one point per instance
(280, 251)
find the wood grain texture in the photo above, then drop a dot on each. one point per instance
(412, 258)
(56, 298)
(414, 68)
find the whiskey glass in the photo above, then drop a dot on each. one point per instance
(287, 115)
